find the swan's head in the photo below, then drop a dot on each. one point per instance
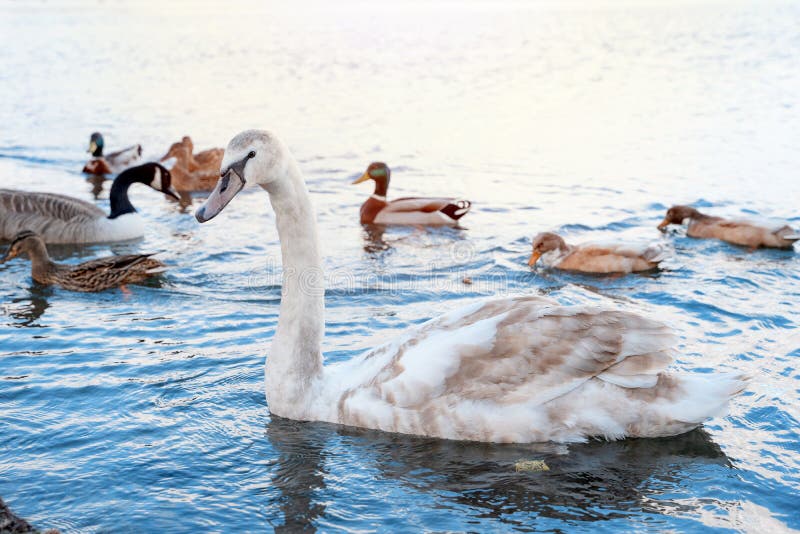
(544, 243)
(677, 215)
(252, 157)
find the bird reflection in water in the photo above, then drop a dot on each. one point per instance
(29, 309)
(586, 482)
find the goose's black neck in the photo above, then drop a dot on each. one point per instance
(120, 203)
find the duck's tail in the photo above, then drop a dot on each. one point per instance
(456, 209)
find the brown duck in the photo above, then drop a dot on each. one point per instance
(745, 233)
(406, 211)
(94, 275)
(194, 172)
(596, 257)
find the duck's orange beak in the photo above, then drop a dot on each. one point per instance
(534, 258)
(664, 224)
(364, 177)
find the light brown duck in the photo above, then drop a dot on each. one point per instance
(596, 257)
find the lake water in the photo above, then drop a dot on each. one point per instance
(146, 412)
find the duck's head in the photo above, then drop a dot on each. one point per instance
(544, 243)
(25, 242)
(96, 144)
(379, 173)
(253, 157)
(678, 214)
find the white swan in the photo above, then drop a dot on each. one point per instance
(64, 219)
(509, 370)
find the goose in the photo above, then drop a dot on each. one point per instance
(408, 210)
(110, 163)
(89, 276)
(745, 233)
(193, 172)
(62, 219)
(517, 369)
(596, 257)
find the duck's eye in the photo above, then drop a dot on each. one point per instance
(252, 154)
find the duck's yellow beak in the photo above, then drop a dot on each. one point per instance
(364, 177)
(11, 254)
(534, 258)
(92, 147)
(663, 224)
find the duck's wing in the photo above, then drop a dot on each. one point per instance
(40, 212)
(651, 252)
(425, 205)
(122, 159)
(423, 211)
(110, 271)
(512, 355)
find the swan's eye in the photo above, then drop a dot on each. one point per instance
(252, 154)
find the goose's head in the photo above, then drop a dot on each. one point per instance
(678, 214)
(544, 243)
(254, 157)
(96, 144)
(378, 172)
(25, 242)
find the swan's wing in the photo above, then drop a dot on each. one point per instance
(38, 212)
(523, 351)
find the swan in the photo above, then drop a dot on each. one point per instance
(60, 219)
(519, 369)
(596, 257)
(744, 233)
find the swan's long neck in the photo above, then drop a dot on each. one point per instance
(295, 359)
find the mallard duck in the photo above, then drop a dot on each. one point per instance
(194, 172)
(745, 233)
(64, 219)
(408, 210)
(94, 275)
(595, 257)
(518, 369)
(110, 163)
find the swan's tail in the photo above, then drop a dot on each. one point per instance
(705, 396)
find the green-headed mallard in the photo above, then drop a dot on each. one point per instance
(110, 163)
(93, 275)
(409, 210)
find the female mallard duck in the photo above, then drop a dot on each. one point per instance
(595, 257)
(194, 172)
(63, 219)
(518, 369)
(743, 233)
(409, 210)
(94, 275)
(110, 163)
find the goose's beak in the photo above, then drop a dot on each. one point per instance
(534, 258)
(227, 187)
(663, 224)
(364, 177)
(170, 192)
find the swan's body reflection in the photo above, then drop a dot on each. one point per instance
(585, 481)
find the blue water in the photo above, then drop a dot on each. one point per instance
(146, 412)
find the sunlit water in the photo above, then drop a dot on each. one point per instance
(146, 412)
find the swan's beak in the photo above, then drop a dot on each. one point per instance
(534, 258)
(663, 224)
(364, 178)
(227, 187)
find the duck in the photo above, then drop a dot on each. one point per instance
(738, 232)
(90, 276)
(596, 257)
(61, 219)
(193, 172)
(112, 163)
(516, 369)
(414, 211)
